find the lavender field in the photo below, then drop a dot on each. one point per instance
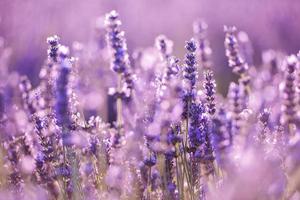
(149, 100)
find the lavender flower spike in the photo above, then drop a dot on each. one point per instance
(190, 75)
(117, 42)
(210, 90)
(289, 107)
(190, 67)
(232, 51)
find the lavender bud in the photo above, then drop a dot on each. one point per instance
(190, 71)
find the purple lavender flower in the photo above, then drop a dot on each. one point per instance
(232, 51)
(290, 97)
(210, 90)
(190, 75)
(117, 42)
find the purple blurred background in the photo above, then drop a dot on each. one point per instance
(25, 25)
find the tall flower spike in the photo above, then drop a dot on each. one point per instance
(289, 106)
(190, 68)
(204, 50)
(235, 61)
(210, 90)
(190, 75)
(117, 42)
(53, 42)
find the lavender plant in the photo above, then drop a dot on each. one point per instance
(153, 127)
